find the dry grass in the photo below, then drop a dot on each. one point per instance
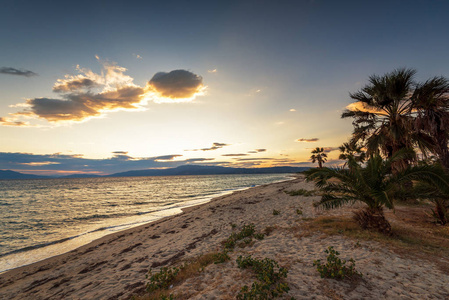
(413, 233)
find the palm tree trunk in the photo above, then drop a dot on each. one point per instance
(373, 219)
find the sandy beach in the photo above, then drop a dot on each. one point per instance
(114, 267)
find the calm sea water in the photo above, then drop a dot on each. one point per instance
(43, 218)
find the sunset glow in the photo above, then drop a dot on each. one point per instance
(189, 84)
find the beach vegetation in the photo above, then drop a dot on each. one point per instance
(335, 267)
(242, 238)
(160, 282)
(270, 282)
(276, 212)
(319, 156)
(301, 192)
(298, 212)
(162, 279)
(374, 184)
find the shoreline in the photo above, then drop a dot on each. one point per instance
(51, 249)
(114, 266)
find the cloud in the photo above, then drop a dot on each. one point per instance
(236, 154)
(165, 158)
(212, 71)
(360, 106)
(330, 149)
(137, 56)
(326, 149)
(255, 159)
(88, 95)
(177, 84)
(80, 107)
(215, 146)
(13, 122)
(56, 163)
(74, 84)
(307, 140)
(261, 150)
(18, 72)
(292, 109)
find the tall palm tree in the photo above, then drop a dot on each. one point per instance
(383, 116)
(374, 185)
(319, 156)
(351, 150)
(431, 102)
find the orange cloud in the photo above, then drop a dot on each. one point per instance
(360, 106)
(308, 140)
(88, 95)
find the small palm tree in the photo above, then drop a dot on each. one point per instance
(375, 185)
(319, 156)
(352, 151)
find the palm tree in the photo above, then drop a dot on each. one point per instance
(375, 185)
(383, 116)
(431, 101)
(352, 150)
(319, 156)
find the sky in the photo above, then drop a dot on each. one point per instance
(108, 86)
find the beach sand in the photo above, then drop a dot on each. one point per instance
(114, 267)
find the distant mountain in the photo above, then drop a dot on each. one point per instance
(178, 171)
(207, 170)
(8, 174)
(81, 175)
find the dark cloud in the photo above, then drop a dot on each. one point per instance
(261, 150)
(330, 149)
(250, 159)
(74, 85)
(166, 157)
(18, 72)
(326, 149)
(236, 154)
(63, 163)
(80, 106)
(176, 84)
(308, 140)
(215, 146)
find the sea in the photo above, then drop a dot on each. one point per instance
(47, 217)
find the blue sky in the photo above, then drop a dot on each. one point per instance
(272, 72)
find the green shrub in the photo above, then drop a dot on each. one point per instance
(335, 267)
(301, 192)
(276, 212)
(161, 280)
(269, 276)
(246, 234)
(299, 212)
(259, 236)
(221, 257)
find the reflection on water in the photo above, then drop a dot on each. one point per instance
(56, 215)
